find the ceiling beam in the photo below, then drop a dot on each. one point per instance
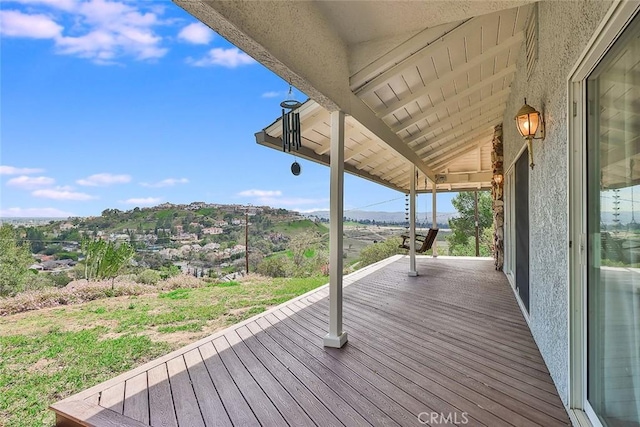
(263, 138)
(459, 142)
(374, 158)
(450, 102)
(401, 52)
(498, 99)
(450, 157)
(364, 146)
(412, 61)
(459, 178)
(479, 122)
(362, 113)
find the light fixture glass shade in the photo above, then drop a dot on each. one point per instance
(527, 120)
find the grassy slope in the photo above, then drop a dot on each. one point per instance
(49, 354)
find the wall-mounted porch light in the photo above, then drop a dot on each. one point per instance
(528, 121)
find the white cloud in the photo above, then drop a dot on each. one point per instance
(61, 194)
(103, 180)
(17, 24)
(30, 182)
(102, 31)
(260, 193)
(169, 182)
(290, 201)
(275, 198)
(196, 33)
(67, 5)
(273, 94)
(309, 210)
(230, 58)
(34, 213)
(12, 170)
(142, 201)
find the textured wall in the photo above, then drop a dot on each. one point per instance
(565, 27)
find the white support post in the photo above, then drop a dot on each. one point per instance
(336, 337)
(413, 272)
(434, 248)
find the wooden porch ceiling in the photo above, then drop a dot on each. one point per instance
(441, 92)
(452, 341)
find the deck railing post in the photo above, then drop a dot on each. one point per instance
(434, 248)
(336, 336)
(412, 224)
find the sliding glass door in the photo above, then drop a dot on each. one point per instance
(613, 230)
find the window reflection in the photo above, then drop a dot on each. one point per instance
(614, 233)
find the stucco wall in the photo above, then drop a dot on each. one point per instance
(564, 27)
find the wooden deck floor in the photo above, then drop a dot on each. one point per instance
(448, 346)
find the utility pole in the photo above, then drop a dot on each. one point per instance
(246, 241)
(477, 225)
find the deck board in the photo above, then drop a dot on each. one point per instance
(161, 408)
(211, 407)
(136, 399)
(184, 398)
(451, 341)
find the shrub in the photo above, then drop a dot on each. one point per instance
(181, 281)
(275, 266)
(15, 259)
(381, 250)
(66, 255)
(149, 277)
(167, 271)
(38, 281)
(60, 280)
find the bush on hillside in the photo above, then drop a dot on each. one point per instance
(381, 250)
(60, 280)
(15, 259)
(275, 266)
(148, 277)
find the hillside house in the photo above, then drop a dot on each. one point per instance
(212, 230)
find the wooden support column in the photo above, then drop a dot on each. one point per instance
(413, 272)
(498, 198)
(336, 337)
(434, 248)
(477, 222)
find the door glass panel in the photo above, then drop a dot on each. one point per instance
(613, 193)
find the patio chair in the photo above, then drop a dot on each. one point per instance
(425, 241)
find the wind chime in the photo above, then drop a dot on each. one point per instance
(291, 131)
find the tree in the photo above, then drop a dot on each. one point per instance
(462, 239)
(37, 239)
(15, 260)
(104, 260)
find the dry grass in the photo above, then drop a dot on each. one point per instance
(81, 291)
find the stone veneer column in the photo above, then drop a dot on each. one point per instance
(498, 198)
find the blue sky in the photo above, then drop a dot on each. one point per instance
(108, 104)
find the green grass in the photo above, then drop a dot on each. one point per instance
(176, 294)
(293, 227)
(49, 354)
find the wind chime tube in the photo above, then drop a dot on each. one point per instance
(298, 131)
(292, 119)
(285, 131)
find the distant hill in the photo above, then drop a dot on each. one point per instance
(384, 217)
